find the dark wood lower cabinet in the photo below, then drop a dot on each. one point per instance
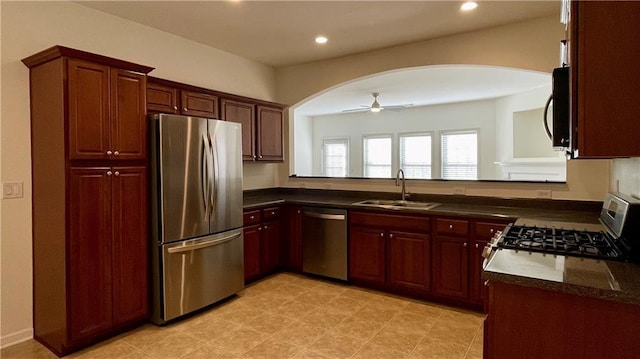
(451, 276)
(251, 252)
(477, 289)
(409, 260)
(526, 322)
(367, 255)
(271, 247)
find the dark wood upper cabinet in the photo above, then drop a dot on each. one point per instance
(243, 113)
(269, 134)
(604, 47)
(89, 122)
(128, 115)
(106, 112)
(163, 99)
(199, 104)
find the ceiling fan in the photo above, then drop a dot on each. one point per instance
(376, 107)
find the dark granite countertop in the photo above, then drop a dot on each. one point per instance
(608, 280)
(450, 205)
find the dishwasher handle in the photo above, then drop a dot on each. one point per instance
(339, 217)
(193, 247)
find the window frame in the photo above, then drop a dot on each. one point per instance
(475, 131)
(390, 136)
(417, 134)
(335, 140)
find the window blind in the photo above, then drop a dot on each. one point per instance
(415, 155)
(377, 156)
(460, 155)
(335, 157)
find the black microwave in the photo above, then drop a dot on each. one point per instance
(561, 135)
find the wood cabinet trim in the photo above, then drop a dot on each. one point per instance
(57, 51)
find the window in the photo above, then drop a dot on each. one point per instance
(460, 155)
(415, 155)
(335, 157)
(377, 156)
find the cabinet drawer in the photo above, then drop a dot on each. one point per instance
(487, 230)
(403, 223)
(452, 226)
(271, 213)
(251, 217)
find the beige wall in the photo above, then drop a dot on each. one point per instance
(29, 27)
(530, 45)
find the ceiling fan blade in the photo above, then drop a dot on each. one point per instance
(356, 110)
(398, 107)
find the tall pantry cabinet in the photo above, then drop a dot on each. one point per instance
(89, 178)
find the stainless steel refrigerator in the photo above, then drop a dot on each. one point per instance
(196, 214)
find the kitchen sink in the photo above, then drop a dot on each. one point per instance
(396, 204)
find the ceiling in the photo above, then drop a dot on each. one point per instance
(281, 33)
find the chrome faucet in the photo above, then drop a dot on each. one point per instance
(404, 188)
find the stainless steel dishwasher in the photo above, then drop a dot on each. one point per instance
(324, 242)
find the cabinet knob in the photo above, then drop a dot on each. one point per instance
(109, 173)
(451, 226)
(260, 156)
(259, 228)
(476, 245)
(491, 231)
(266, 227)
(116, 153)
(464, 244)
(117, 173)
(390, 235)
(175, 108)
(252, 217)
(381, 234)
(298, 211)
(185, 109)
(254, 158)
(273, 213)
(109, 153)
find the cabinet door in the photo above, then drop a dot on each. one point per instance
(476, 285)
(367, 254)
(270, 247)
(409, 260)
(269, 128)
(451, 267)
(89, 125)
(251, 252)
(162, 99)
(605, 47)
(199, 104)
(243, 113)
(90, 252)
(128, 111)
(130, 266)
(294, 255)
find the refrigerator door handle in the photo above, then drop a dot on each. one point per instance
(204, 171)
(213, 194)
(211, 243)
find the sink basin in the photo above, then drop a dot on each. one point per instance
(397, 204)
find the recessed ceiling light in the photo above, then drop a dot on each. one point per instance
(321, 40)
(469, 5)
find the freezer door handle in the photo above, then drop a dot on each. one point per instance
(339, 217)
(211, 243)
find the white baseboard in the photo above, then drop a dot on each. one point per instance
(15, 338)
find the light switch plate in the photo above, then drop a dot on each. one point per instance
(12, 189)
(543, 193)
(459, 190)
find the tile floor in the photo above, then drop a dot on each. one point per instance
(291, 316)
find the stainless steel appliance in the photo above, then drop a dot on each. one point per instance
(196, 215)
(616, 238)
(324, 242)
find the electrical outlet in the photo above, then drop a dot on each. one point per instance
(543, 193)
(459, 190)
(12, 190)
